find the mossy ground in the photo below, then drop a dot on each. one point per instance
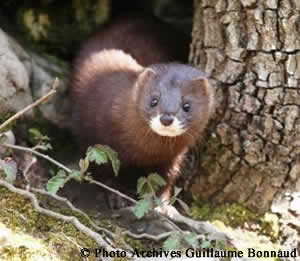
(257, 230)
(26, 235)
(237, 215)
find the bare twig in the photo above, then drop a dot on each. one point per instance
(68, 170)
(156, 238)
(25, 172)
(72, 207)
(111, 189)
(29, 107)
(41, 155)
(84, 229)
(79, 247)
(199, 226)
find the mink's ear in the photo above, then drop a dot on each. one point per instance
(203, 84)
(146, 75)
(207, 91)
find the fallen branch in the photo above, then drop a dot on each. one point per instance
(155, 238)
(68, 170)
(29, 107)
(203, 227)
(90, 180)
(84, 229)
(73, 208)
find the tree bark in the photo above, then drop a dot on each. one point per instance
(251, 51)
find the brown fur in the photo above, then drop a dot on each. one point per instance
(108, 92)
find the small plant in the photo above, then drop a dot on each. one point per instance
(40, 141)
(147, 189)
(99, 154)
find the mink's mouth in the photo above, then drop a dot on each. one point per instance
(174, 129)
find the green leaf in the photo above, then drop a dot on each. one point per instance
(205, 244)
(174, 197)
(96, 154)
(76, 174)
(172, 243)
(191, 239)
(45, 146)
(140, 184)
(113, 157)
(156, 181)
(9, 170)
(221, 244)
(142, 207)
(56, 182)
(35, 134)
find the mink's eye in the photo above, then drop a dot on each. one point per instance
(154, 102)
(186, 106)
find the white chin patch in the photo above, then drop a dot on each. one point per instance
(175, 129)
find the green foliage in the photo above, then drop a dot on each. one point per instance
(98, 154)
(156, 181)
(173, 242)
(151, 184)
(179, 240)
(221, 244)
(191, 239)
(36, 135)
(147, 189)
(10, 173)
(237, 215)
(113, 157)
(40, 141)
(56, 182)
(76, 174)
(140, 185)
(143, 206)
(206, 244)
(230, 214)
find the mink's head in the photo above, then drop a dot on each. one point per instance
(174, 99)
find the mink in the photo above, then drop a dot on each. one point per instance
(130, 92)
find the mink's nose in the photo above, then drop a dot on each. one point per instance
(166, 120)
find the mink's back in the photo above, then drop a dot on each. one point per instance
(146, 40)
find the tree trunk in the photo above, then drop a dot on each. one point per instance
(251, 51)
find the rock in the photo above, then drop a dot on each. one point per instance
(9, 138)
(20, 70)
(44, 72)
(14, 77)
